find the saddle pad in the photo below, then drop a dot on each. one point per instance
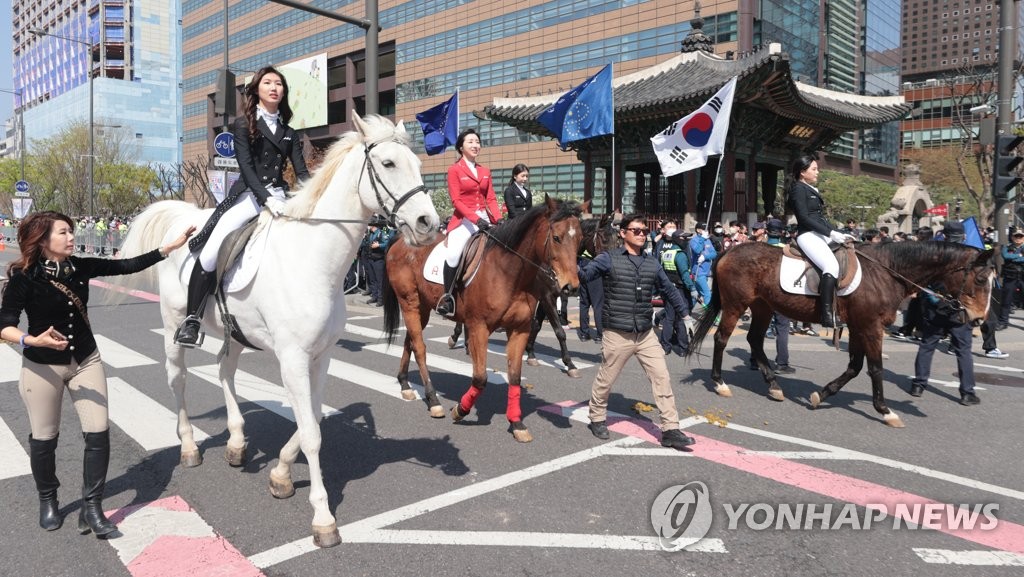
(793, 269)
(241, 273)
(433, 268)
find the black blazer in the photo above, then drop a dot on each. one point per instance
(515, 202)
(809, 209)
(262, 162)
(46, 306)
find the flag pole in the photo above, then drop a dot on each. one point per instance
(615, 174)
(718, 174)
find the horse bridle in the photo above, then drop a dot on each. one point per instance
(547, 270)
(390, 214)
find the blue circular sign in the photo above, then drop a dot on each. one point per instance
(224, 145)
(21, 186)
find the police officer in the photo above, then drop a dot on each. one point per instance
(378, 240)
(1013, 276)
(675, 259)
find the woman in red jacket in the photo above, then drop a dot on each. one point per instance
(476, 208)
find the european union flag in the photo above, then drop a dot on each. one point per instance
(440, 125)
(972, 235)
(583, 112)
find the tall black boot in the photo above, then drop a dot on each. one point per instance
(94, 480)
(43, 460)
(200, 286)
(827, 295)
(446, 306)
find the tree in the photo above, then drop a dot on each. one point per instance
(126, 188)
(860, 198)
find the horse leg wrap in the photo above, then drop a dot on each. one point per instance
(514, 412)
(469, 399)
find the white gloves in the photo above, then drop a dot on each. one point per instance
(274, 205)
(700, 259)
(839, 237)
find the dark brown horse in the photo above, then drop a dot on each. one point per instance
(598, 236)
(747, 275)
(542, 242)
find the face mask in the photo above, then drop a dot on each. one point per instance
(705, 234)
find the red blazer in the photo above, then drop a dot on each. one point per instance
(470, 193)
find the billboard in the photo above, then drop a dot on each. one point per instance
(307, 90)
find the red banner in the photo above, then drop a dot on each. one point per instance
(938, 210)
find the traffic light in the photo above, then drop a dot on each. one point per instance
(224, 97)
(1005, 178)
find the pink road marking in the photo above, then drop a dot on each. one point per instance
(173, 555)
(167, 538)
(135, 293)
(1005, 535)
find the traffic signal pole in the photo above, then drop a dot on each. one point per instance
(1004, 183)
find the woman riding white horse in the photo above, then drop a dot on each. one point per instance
(263, 141)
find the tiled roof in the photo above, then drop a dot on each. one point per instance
(668, 91)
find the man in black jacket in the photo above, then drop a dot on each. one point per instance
(630, 280)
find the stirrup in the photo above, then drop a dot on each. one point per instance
(200, 334)
(446, 305)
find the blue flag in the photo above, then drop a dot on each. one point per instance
(583, 112)
(440, 125)
(972, 236)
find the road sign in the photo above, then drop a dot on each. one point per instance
(225, 162)
(21, 188)
(224, 145)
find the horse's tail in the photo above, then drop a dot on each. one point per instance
(392, 313)
(147, 231)
(708, 315)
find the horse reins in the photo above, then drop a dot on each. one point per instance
(949, 299)
(547, 240)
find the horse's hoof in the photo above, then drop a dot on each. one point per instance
(451, 343)
(522, 435)
(235, 456)
(437, 412)
(776, 395)
(281, 488)
(573, 373)
(893, 420)
(815, 400)
(191, 459)
(457, 414)
(723, 390)
(533, 362)
(326, 536)
(409, 395)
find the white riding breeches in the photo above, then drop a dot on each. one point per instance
(815, 246)
(457, 239)
(245, 208)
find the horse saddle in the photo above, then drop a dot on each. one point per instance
(469, 260)
(799, 275)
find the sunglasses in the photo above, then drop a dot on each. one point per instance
(638, 231)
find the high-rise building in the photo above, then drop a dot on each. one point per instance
(497, 48)
(129, 48)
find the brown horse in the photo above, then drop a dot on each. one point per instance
(747, 275)
(598, 236)
(542, 242)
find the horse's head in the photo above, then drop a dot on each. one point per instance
(390, 182)
(562, 242)
(977, 278)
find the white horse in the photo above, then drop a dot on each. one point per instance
(295, 304)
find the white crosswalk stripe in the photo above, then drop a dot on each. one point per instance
(10, 364)
(146, 421)
(14, 456)
(119, 356)
(266, 394)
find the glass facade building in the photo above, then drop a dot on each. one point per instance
(132, 49)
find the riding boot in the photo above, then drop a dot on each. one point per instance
(43, 461)
(94, 480)
(446, 306)
(200, 286)
(827, 295)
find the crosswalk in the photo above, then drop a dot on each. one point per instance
(152, 422)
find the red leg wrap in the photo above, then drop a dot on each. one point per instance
(469, 399)
(514, 412)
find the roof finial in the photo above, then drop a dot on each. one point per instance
(696, 39)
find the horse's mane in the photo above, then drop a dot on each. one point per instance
(309, 193)
(511, 233)
(923, 253)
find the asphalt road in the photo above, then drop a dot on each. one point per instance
(415, 495)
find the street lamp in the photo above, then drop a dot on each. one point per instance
(92, 147)
(21, 128)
